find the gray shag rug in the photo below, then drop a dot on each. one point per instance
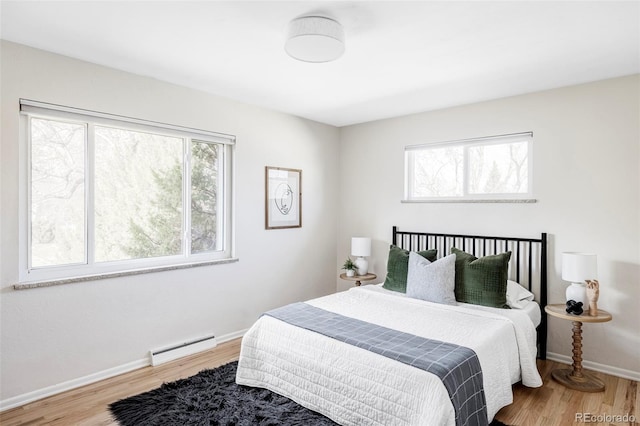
(213, 398)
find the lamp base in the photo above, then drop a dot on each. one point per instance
(578, 292)
(362, 264)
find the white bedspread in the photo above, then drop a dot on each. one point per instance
(353, 386)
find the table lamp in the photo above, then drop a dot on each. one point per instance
(361, 248)
(576, 268)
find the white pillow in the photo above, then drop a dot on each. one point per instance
(432, 281)
(517, 296)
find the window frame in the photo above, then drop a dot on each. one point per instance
(409, 170)
(90, 269)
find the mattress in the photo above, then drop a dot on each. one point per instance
(353, 386)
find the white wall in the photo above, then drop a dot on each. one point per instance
(586, 162)
(51, 335)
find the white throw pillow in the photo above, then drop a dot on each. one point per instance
(432, 281)
(517, 296)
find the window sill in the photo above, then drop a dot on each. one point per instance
(50, 283)
(467, 200)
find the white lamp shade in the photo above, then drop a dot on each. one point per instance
(315, 39)
(578, 267)
(360, 246)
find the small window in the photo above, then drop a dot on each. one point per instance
(107, 195)
(489, 168)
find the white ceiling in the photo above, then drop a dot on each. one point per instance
(401, 57)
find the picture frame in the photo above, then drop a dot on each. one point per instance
(283, 198)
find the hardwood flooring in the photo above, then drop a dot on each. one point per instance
(550, 405)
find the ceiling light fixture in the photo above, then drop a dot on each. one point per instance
(315, 39)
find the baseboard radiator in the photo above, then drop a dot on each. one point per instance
(160, 356)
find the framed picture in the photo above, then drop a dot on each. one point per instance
(283, 198)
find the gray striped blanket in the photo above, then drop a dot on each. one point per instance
(457, 366)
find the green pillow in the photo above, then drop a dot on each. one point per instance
(482, 281)
(398, 266)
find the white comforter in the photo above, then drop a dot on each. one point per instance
(353, 386)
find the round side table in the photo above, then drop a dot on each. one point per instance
(576, 378)
(358, 278)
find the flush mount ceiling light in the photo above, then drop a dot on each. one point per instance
(315, 39)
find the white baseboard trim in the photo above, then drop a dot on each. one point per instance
(231, 336)
(28, 397)
(595, 366)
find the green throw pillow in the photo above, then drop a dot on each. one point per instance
(398, 266)
(482, 281)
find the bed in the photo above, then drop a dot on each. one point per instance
(356, 386)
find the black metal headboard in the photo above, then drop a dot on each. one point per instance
(528, 264)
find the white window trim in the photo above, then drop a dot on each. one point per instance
(42, 277)
(466, 197)
(78, 114)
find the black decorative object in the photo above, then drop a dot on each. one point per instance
(212, 397)
(574, 308)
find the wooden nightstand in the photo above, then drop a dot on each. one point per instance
(358, 278)
(576, 378)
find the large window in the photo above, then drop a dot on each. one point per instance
(108, 194)
(491, 168)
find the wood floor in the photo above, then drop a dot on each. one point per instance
(550, 405)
